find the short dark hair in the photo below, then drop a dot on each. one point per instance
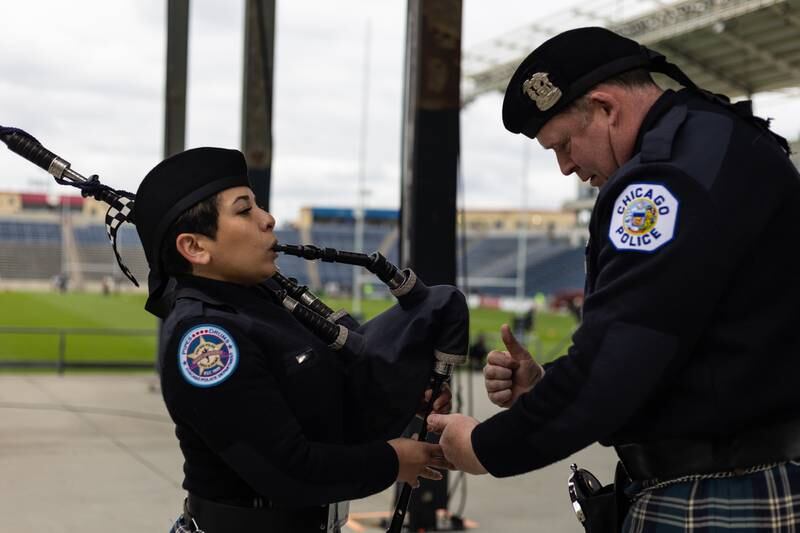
(638, 77)
(632, 79)
(200, 218)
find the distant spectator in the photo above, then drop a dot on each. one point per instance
(60, 282)
(478, 352)
(105, 285)
(523, 324)
(575, 307)
(539, 302)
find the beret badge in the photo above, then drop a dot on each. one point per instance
(541, 90)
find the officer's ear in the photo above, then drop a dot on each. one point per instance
(608, 103)
(192, 246)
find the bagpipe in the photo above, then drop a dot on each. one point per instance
(425, 318)
(398, 354)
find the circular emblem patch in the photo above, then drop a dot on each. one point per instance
(640, 217)
(644, 217)
(207, 355)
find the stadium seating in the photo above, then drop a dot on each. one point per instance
(30, 260)
(91, 234)
(16, 231)
(97, 258)
(552, 264)
(290, 266)
(563, 270)
(342, 237)
(33, 250)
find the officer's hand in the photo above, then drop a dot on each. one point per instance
(456, 441)
(443, 403)
(509, 374)
(417, 459)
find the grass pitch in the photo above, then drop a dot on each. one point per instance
(70, 312)
(124, 331)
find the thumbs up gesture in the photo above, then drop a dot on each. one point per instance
(510, 373)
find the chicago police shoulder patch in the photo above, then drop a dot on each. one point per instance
(207, 355)
(644, 217)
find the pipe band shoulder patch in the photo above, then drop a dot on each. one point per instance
(207, 355)
(644, 217)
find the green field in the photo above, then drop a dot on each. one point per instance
(72, 311)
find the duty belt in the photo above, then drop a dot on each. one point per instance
(671, 459)
(215, 517)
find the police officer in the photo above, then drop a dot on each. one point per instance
(270, 434)
(687, 354)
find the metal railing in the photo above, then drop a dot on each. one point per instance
(61, 363)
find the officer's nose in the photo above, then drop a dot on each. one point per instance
(267, 221)
(566, 164)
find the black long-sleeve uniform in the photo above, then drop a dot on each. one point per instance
(263, 408)
(690, 325)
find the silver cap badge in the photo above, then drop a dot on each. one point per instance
(541, 90)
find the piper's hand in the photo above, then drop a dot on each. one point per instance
(456, 441)
(443, 403)
(511, 373)
(418, 459)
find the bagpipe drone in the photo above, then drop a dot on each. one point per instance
(412, 346)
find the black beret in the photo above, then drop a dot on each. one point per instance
(564, 68)
(173, 186)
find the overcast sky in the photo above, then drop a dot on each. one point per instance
(86, 78)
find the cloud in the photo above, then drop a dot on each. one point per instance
(87, 79)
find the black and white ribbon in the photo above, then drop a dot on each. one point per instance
(119, 211)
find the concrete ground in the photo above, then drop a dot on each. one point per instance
(97, 453)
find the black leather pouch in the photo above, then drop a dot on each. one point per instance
(599, 508)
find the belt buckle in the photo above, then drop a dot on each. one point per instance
(337, 516)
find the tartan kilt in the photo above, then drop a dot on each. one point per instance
(764, 500)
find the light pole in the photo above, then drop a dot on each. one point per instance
(358, 243)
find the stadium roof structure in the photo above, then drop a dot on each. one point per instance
(734, 47)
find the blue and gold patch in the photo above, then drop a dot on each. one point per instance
(644, 217)
(207, 355)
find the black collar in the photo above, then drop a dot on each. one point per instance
(225, 293)
(659, 108)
